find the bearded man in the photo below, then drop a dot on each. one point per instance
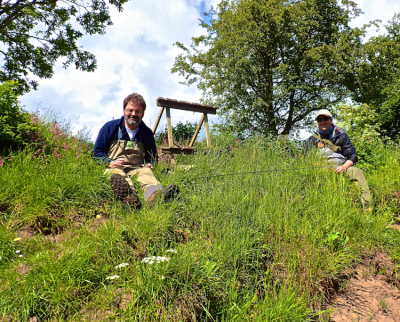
(127, 147)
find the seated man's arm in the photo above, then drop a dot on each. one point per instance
(102, 145)
(349, 152)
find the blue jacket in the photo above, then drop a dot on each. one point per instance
(109, 132)
(339, 138)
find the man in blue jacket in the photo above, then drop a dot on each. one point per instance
(334, 144)
(128, 149)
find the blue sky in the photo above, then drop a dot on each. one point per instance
(136, 55)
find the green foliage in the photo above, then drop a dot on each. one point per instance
(269, 64)
(390, 110)
(35, 34)
(362, 124)
(375, 80)
(182, 132)
(15, 123)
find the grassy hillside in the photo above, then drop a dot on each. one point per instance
(265, 246)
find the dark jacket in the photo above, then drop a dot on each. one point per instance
(339, 138)
(109, 132)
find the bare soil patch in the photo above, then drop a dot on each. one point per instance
(26, 232)
(372, 294)
(22, 269)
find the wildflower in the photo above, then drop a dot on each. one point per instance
(1, 162)
(158, 259)
(112, 277)
(122, 265)
(20, 255)
(17, 251)
(171, 251)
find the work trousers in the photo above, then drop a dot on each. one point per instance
(357, 175)
(144, 176)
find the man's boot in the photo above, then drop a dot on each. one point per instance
(168, 193)
(123, 191)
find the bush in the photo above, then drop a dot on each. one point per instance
(362, 124)
(182, 133)
(16, 125)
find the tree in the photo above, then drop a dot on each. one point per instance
(268, 64)
(36, 33)
(376, 77)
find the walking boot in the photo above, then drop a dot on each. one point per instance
(168, 193)
(124, 192)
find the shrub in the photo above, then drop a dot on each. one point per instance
(182, 132)
(16, 125)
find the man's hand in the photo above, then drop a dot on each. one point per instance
(117, 164)
(344, 167)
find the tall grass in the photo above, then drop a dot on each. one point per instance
(263, 246)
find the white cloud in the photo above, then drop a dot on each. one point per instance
(135, 55)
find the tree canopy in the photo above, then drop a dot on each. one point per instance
(376, 77)
(269, 64)
(36, 33)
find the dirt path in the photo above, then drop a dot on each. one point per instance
(370, 295)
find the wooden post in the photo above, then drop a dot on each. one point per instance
(158, 120)
(196, 133)
(169, 127)
(207, 130)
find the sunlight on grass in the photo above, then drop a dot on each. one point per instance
(255, 246)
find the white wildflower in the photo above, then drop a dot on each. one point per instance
(17, 251)
(20, 255)
(158, 259)
(122, 265)
(171, 251)
(112, 277)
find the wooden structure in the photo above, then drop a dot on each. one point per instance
(166, 104)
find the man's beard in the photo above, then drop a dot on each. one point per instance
(132, 121)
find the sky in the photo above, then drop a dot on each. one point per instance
(136, 55)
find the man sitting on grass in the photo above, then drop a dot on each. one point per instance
(128, 149)
(335, 145)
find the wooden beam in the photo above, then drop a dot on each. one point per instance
(176, 150)
(169, 128)
(196, 133)
(158, 119)
(187, 106)
(207, 128)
